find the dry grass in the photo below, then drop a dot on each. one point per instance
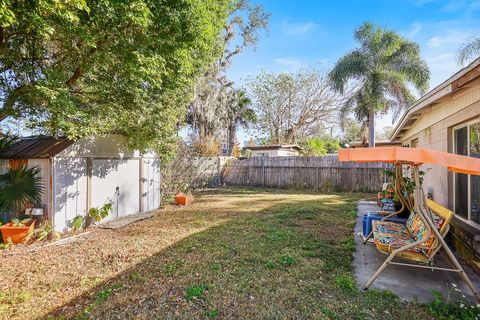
(235, 253)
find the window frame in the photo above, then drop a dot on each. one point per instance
(469, 187)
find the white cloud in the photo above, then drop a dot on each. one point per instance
(449, 38)
(300, 28)
(467, 6)
(413, 31)
(440, 51)
(289, 64)
(450, 6)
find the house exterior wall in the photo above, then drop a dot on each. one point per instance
(434, 130)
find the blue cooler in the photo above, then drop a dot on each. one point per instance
(369, 217)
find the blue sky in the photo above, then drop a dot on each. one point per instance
(312, 33)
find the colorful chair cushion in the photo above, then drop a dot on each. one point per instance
(389, 236)
(418, 230)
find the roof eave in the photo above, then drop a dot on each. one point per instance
(443, 89)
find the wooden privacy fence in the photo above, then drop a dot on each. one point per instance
(325, 173)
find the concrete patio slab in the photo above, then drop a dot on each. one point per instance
(406, 282)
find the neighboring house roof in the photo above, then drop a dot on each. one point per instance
(36, 147)
(381, 143)
(275, 147)
(435, 96)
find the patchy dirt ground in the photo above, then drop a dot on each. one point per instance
(234, 253)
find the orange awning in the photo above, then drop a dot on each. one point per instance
(453, 162)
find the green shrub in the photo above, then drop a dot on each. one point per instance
(320, 146)
(452, 310)
(77, 222)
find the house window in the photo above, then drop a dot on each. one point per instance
(466, 141)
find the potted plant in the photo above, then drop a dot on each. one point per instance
(19, 187)
(183, 199)
(18, 231)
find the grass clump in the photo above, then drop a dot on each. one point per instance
(346, 283)
(211, 313)
(195, 292)
(287, 260)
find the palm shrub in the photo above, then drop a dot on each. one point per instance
(19, 187)
(382, 69)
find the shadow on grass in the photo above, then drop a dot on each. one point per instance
(289, 260)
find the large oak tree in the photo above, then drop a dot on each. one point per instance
(289, 104)
(84, 67)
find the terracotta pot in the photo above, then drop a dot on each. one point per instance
(17, 234)
(182, 199)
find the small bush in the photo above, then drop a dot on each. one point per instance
(459, 309)
(77, 222)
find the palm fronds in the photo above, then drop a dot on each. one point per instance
(383, 69)
(19, 187)
(469, 51)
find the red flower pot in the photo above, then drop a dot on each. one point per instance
(182, 199)
(17, 234)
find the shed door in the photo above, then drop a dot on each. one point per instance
(70, 191)
(116, 181)
(151, 184)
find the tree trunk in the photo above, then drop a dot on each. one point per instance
(232, 130)
(371, 128)
(291, 136)
(201, 129)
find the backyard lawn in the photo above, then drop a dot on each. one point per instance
(235, 253)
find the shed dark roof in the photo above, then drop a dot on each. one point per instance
(36, 147)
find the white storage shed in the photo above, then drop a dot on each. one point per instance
(79, 175)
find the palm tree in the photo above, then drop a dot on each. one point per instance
(239, 114)
(469, 51)
(382, 71)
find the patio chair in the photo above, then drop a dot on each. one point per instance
(400, 190)
(420, 239)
